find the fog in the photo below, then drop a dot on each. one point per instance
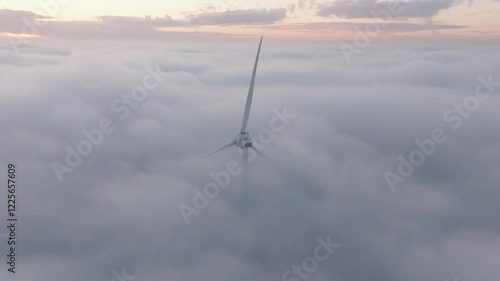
(119, 207)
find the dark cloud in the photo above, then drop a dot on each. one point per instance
(148, 21)
(372, 8)
(233, 17)
(355, 26)
(7, 15)
(239, 17)
(119, 208)
(13, 21)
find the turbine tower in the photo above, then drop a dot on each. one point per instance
(243, 140)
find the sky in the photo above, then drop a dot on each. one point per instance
(379, 150)
(293, 20)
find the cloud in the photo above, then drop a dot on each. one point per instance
(11, 21)
(232, 17)
(239, 17)
(119, 208)
(370, 8)
(20, 22)
(388, 27)
(147, 21)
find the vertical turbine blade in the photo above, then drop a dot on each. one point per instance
(250, 93)
(244, 164)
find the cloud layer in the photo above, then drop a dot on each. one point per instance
(325, 176)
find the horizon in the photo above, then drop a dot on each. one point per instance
(453, 20)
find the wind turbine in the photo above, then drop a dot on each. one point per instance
(243, 140)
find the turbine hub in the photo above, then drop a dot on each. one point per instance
(244, 141)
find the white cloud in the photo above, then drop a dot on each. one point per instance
(119, 208)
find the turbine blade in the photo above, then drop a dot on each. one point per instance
(250, 92)
(244, 164)
(260, 153)
(227, 145)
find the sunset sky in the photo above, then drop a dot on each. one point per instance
(281, 19)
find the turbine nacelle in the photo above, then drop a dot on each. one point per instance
(243, 141)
